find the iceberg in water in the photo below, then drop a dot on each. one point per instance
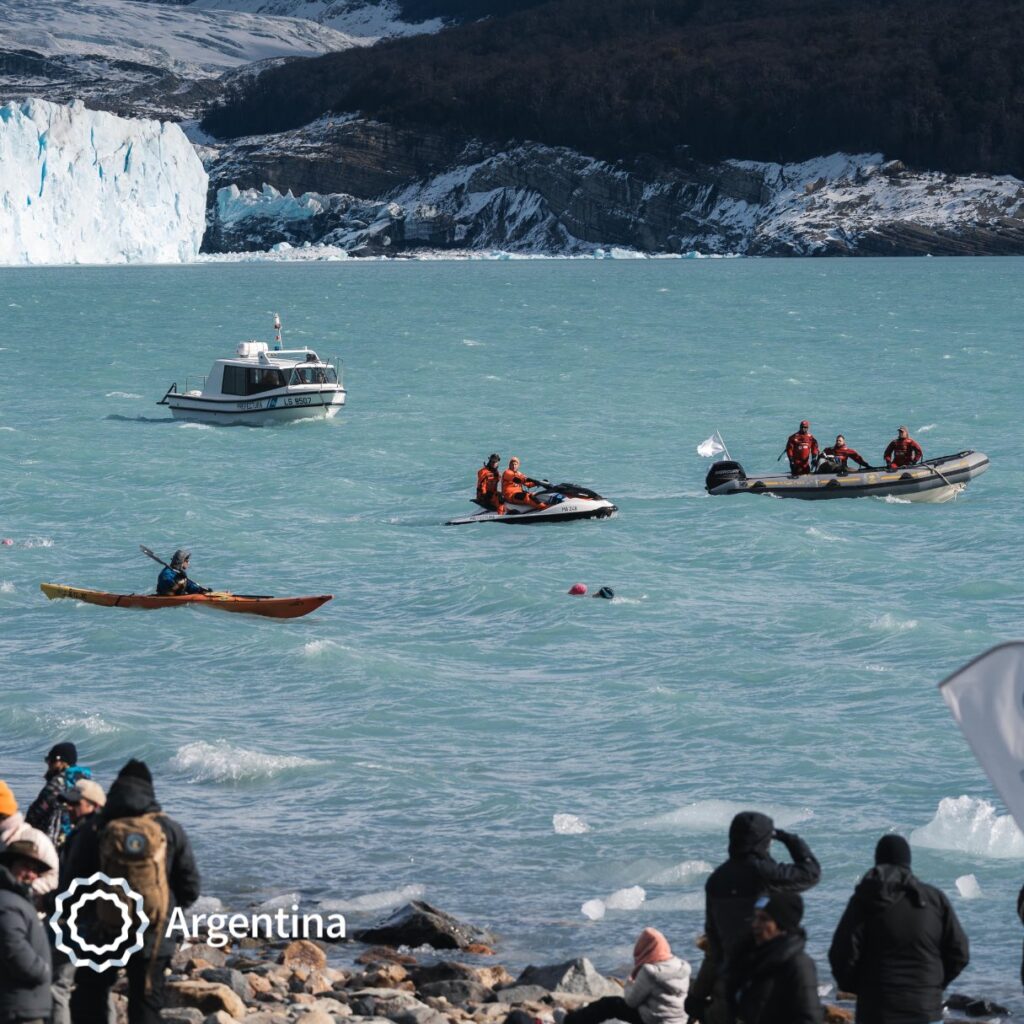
(85, 186)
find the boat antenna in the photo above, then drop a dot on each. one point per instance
(277, 332)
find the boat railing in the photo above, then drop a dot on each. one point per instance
(195, 382)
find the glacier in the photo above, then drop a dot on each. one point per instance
(85, 186)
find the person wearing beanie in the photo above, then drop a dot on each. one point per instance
(132, 800)
(14, 828)
(655, 993)
(771, 980)
(730, 892)
(24, 947)
(48, 812)
(898, 944)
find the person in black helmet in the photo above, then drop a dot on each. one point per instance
(898, 943)
(487, 478)
(173, 579)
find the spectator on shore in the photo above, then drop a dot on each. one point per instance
(654, 994)
(898, 943)
(730, 893)
(771, 979)
(24, 949)
(13, 828)
(48, 812)
(164, 874)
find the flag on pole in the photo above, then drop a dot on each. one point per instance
(713, 446)
(986, 697)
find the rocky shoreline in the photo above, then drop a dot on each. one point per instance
(441, 974)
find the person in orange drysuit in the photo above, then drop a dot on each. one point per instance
(514, 484)
(903, 450)
(487, 479)
(801, 448)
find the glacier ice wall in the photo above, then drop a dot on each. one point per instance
(85, 186)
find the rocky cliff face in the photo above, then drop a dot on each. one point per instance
(371, 188)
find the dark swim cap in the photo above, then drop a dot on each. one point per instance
(605, 592)
(494, 457)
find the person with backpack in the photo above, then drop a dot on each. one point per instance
(24, 949)
(136, 841)
(48, 812)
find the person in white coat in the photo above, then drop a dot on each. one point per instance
(14, 829)
(655, 992)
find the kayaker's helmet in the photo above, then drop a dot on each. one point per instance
(180, 558)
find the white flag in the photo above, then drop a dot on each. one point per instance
(987, 701)
(714, 445)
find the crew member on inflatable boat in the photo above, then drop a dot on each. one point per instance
(800, 449)
(173, 579)
(839, 454)
(514, 484)
(487, 479)
(903, 450)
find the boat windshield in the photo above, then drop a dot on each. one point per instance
(313, 375)
(242, 380)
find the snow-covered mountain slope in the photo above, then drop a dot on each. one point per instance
(83, 186)
(365, 21)
(388, 191)
(183, 40)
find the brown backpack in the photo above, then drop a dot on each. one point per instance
(135, 849)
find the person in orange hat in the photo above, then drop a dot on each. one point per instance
(655, 992)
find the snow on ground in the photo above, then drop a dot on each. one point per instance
(84, 186)
(364, 21)
(180, 39)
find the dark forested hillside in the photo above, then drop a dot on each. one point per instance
(937, 83)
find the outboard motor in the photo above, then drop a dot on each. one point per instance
(722, 472)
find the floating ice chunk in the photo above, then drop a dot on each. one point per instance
(680, 874)
(626, 899)
(967, 886)
(971, 825)
(206, 905)
(569, 825)
(593, 909)
(284, 901)
(713, 815)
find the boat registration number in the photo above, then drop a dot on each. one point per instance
(273, 403)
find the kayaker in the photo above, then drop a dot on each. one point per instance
(173, 579)
(487, 479)
(903, 450)
(801, 448)
(514, 484)
(840, 453)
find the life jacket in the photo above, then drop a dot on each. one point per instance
(512, 483)
(135, 849)
(800, 447)
(486, 483)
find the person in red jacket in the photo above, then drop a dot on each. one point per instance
(903, 450)
(487, 478)
(801, 448)
(514, 484)
(839, 453)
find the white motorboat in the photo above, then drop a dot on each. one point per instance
(259, 386)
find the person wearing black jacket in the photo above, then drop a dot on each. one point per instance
(730, 894)
(770, 979)
(131, 796)
(898, 944)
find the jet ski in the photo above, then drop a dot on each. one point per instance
(565, 502)
(933, 480)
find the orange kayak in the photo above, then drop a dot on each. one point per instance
(272, 607)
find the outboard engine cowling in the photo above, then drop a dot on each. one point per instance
(722, 472)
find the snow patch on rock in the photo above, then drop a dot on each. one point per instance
(84, 186)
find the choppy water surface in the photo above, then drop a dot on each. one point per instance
(420, 733)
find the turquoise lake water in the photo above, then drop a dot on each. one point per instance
(419, 734)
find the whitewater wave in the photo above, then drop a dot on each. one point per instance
(471, 342)
(195, 426)
(37, 542)
(715, 815)
(971, 825)
(888, 623)
(926, 428)
(813, 531)
(316, 648)
(221, 762)
(373, 901)
(891, 499)
(121, 394)
(92, 725)
(569, 825)
(6, 587)
(11, 429)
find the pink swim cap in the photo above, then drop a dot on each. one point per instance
(7, 542)
(578, 588)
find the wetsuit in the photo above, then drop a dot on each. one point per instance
(513, 488)
(800, 449)
(173, 582)
(903, 451)
(487, 487)
(840, 455)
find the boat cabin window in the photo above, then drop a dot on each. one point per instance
(313, 375)
(243, 380)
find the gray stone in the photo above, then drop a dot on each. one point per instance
(182, 1015)
(576, 976)
(457, 991)
(235, 980)
(521, 994)
(419, 924)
